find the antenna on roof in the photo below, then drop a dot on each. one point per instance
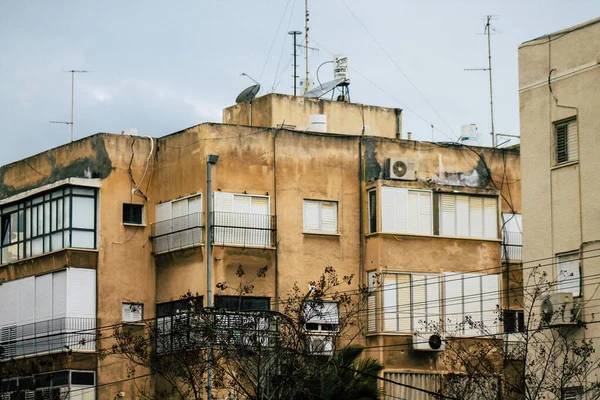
(340, 81)
(73, 72)
(248, 94)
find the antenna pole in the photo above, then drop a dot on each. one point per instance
(73, 72)
(295, 33)
(306, 44)
(488, 28)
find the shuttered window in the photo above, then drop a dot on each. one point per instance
(472, 216)
(410, 385)
(372, 301)
(320, 216)
(565, 142)
(568, 273)
(132, 312)
(241, 219)
(178, 224)
(411, 302)
(471, 297)
(406, 211)
(321, 316)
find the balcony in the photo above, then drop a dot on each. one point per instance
(512, 247)
(51, 336)
(257, 230)
(177, 233)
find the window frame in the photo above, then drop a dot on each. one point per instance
(567, 127)
(518, 321)
(129, 212)
(335, 324)
(320, 204)
(132, 311)
(575, 256)
(372, 198)
(220, 298)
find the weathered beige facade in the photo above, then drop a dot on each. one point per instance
(288, 167)
(559, 94)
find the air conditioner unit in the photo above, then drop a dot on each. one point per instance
(428, 342)
(559, 309)
(320, 344)
(401, 168)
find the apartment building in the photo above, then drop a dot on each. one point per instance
(111, 229)
(559, 99)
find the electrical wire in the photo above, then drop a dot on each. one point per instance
(274, 39)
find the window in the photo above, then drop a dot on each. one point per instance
(133, 312)
(514, 321)
(322, 316)
(172, 323)
(410, 383)
(372, 301)
(320, 216)
(372, 211)
(241, 219)
(59, 219)
(242, 303)
(568, 274)
(565, 141)
(178, 224)
(512, 237)
(54, 305)
(411, 302)
(471, 297)
(56, 385)
(406, 211)
(464, 215)
(133, 214)
(572, 393)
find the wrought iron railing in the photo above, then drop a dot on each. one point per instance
(60, 334)
(512, 246)
(178, 233)
(243, 228)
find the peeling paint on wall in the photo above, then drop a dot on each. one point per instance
(477, 178)
(372, 168)
(98, 165)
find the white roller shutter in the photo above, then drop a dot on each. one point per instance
(490, 217)
(59, 294)
(26, 301)
(180, 212)
(311, 216)
(387, 209)
(462, 216)
(242, 204)
(476, 216)
(390, 296)
(472, 301)
(419, 303)
(43, 298)
(453, 301)
(372, 302)
(400, 207)
(88, 286)
(568, 274)
(10, 301)
(448, 215)
(195, 218)
(328, 217)
(490, 294)
(433, 299)
(425, 213)
(572, 141)
(164, 216)
(223, 201)
(403, 289)
(413, 212)
(223, 206)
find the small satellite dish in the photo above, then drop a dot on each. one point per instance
(324, 88)
(248, 94)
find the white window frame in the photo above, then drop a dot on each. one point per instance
(320, 222)
(396, 211)
(460, 302)
(429, 311)
(461, 224)
(132, 312)
(568, 273)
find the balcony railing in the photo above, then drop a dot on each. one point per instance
(243, 229)
(60, 334)
(177, 233)
(512, 246)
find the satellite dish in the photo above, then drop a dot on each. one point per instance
(324, 88)
(248, 94)
(435, 342)
(399, 168)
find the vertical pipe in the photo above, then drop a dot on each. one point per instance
(72, 100)
(212, 159)
(295, 67)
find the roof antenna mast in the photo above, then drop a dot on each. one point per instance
(487, 31)
(306, 44)
(73, 72)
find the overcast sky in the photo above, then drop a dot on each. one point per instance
(161, 66)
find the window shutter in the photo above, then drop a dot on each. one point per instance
(569, 278)
(10, 301)
(223, 201)
(453, 301)
(433, 299)
(476, 216)
(132, 312)
(413, 212)
(88, 288)
(74, 293)
(390, 296)
(164, 215)
(26, 305)
(462, 216)
(419, 302)
(448, 211)
(490, 217)
(59, 294)
(195, 218)
(328, 216)
(472, 301)
(260, 205)
(371, 302)
(572, 140)
(490, 294)
(400, 210)
(425, 213)
(387, 209)
(311, 216)
(562, 143)
(403, 289)
(180, 212)
(242, 204)
(43, 298)
(223, 206)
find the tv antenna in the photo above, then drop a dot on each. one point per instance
(295, 33)
(487, 31)
(73, 72)
(306, 46)
(248, 94)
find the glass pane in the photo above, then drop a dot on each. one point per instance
(57, 241)
(53, 216)
(56, 194)
(83, 212)
(84, 191)
(34, 222)
(46, 243)
(40, 219)
(59, 214)
(46, 217)
(14, 225)
(37, 200)
(27, 248)
(67, 213)
(83, 239)
(37, 246)
(67, 238)
(28, 223)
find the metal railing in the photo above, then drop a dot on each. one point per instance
(512, 246)
(60, 334)
(178, 233)
(243, 228)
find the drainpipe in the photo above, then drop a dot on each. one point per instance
(210, 161)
